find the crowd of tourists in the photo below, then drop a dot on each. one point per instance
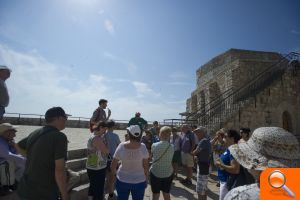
(36, 165)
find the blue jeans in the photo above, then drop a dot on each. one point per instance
(137, 190)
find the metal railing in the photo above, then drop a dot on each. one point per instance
(216, 112)
(19, 116)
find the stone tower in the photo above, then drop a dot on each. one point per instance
(242, 88)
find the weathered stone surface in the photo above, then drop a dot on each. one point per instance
(276, 103)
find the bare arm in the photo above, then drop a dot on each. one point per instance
(113, 166)
(195, 152)
(99, 144)
(146, 168)
(233, 168)
(214, 140)
(20, 150)
(193, 146)
(108, 113)
(61, 178)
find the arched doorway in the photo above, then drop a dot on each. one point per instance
(287, 121)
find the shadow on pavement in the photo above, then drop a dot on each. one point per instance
(182, 193)
(212, 195)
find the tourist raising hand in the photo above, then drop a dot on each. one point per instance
(96, 162)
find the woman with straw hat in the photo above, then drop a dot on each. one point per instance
(267, 147)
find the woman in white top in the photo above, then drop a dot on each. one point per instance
(97, 161)
(133, 172)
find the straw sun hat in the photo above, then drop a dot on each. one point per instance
(268, 147)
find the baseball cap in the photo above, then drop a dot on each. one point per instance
(134, 130)
(200, 129)
(3, 67)
(55, 112)
(7, 126)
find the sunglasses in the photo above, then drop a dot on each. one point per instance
(99, 128)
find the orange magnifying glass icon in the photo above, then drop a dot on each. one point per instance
(277, 180)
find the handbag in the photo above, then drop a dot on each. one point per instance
(240, 179)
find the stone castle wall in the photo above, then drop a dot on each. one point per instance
(277, 104)
(228, 72)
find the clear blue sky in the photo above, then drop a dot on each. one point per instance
(140, 55)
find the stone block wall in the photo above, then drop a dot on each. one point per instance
(227, 72)
(277, 105)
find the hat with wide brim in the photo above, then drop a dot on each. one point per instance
(7, 126)
(268, 147)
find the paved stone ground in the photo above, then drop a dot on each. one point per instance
(78, 137)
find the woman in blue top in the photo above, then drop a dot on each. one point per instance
(226, 164)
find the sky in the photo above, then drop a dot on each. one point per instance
(139, 55)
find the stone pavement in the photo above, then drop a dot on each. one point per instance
(77, 140)
(180, 191)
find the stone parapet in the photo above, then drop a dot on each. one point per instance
(41, 122)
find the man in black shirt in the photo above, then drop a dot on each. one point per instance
(45, 172)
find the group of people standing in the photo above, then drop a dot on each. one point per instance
(129, 166)
(130, 159)
(241, 157)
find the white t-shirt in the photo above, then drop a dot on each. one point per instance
(131, 169)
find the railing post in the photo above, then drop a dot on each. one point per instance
(40, 120)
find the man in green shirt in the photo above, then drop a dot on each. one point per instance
(45, 172)
(138, 120)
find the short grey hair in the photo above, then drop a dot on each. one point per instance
(201, 129)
